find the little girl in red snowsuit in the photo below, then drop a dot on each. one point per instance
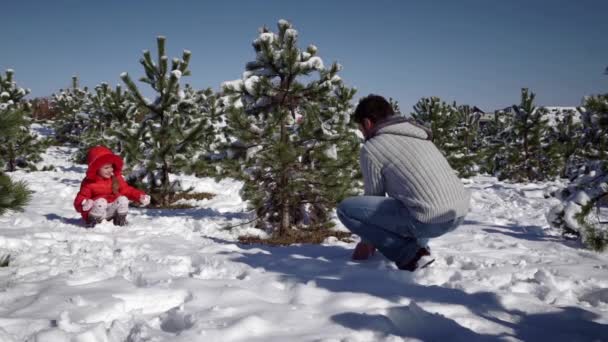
(104, 194)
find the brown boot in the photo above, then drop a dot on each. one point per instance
(413, 265)
(363, 251)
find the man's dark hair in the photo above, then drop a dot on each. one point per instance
(373, 107)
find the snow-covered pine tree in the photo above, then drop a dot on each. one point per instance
(13, 195)
(454, 131)
(465, 155)
(577, 213)
(291, 114)
(595, 128)
(530, 157)
(495, 136)
(567, 135)
(174, 131)
(395, 104)
(14, 134)
(69, 105)
(18, 146)
(439, 117)
(111, 112)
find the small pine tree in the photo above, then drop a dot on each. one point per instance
(13, 195)
(110, 112)
(454, 129)
(174, 131)
(575, 214)
(440, 118)
(395, 104)
(14, 126)
(18, 147)
(290, 113)
(465, 155)
(530, 156)
(495, 137)
(567, 135)
(71, 120)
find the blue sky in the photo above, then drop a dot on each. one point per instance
(470, 51)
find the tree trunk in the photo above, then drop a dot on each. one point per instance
(165, 183)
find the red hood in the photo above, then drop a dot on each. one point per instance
(99, 156)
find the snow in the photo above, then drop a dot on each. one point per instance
(314, 63)
(175, 275)
(267, 37)
(177, 74)
(236, 85)
(291, 33)
(250, 84)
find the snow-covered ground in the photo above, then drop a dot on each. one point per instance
(175, 275)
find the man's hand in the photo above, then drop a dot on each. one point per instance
(363, 251)
(144, 200)
(87, 204)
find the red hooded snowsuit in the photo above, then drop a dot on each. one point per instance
(93, 186)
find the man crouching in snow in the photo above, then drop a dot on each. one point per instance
(425, 197)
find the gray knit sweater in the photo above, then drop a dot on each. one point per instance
(399, 160)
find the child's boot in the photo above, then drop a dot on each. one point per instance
(93, 220)
(120, 219)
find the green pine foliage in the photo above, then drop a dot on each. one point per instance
(440, 118)
(13, 195)
(454, 130)
(567, 135)
(395, 104)
(595, 125)
(531, 154)
(289, 115)
(71, 119)
(495, 136)
(577, 213)
(18, 147)
(465, 156)
(176, 128)
(110, 112)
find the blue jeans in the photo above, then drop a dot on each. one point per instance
(387, 224)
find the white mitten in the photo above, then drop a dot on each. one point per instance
(144, 200)
(87, 204)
